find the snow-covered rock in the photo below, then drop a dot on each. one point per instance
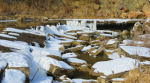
(14, 76)
(135, 50)
(69, 55)
(115, 66)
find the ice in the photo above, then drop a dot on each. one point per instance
(115, 66)
(14, 76)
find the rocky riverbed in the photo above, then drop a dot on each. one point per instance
(72, 54)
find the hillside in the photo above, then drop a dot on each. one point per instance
(75, 8)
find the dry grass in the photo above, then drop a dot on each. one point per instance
(71, 8)
(140, 75)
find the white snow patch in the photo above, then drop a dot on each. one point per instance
(69, 55)
(14, 76)
(115, 56)
(46, 61)
(118, 79)
(3, 63)
(14, 34)
(86, 48)
(76, 60)
(15, 59)
(111, 41)
(7, 36)
(134, 50)
(13, 44)
(115, 66)
(82, 80)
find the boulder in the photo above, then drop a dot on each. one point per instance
(96, 52)
(57, 71)
(146, 10)
(125, 34)
(76, 48)
(112, 44)
(146, 26)
(103, 79)
(84, 37)
(137, 29)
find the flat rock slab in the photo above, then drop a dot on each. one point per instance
(114, 66)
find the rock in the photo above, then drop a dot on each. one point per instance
(66, 44)
(118, 80)
(76, 62)
(65, 79)
(25, 70)
(112, 44)
(125, 34)
(57, 71)
(96, 52)
(103, 79)
(146, 10)
(78, 42)
(137, 29)
(90, 81)
(62, 48)
(84, 37)
(14, 76)
(146, 26)
(3, 65)
(134, 14)
(75, 49)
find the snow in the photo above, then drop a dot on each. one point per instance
(126, 42)
(7, 36)
(135, 50)
(46, 61)
(145, 63)
(13, 44)
(115, 66)
(118, 79)
(115, 56)
(14, 34)
(14, 76)
(45, 51)
(8, 20)
(86, 48)
(15, 59)
(76, 60)
(111, 41)
(69, 55)
(29, 31)
(78, 80)
(3, 63)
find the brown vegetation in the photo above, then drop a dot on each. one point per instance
(75, 8)
(140, 75)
